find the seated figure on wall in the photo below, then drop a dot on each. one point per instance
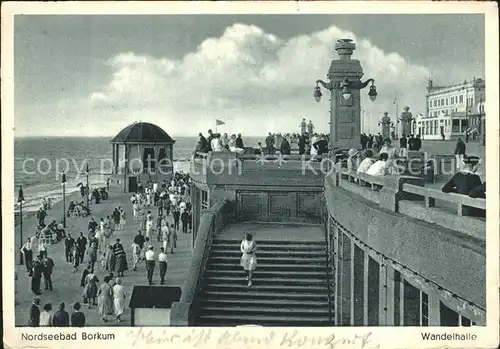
(366, 163)
(465, 180)
(379, 168)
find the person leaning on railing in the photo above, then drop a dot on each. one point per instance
(467, 182)
(366, 162)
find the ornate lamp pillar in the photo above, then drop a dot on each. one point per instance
(385, 122)
(406, 120)
(345, 85)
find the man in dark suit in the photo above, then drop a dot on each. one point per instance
(77, 317)
(61, 317)
(34, 320)
(37, 276)
(302, 143)
(81, 243)
(48, 267)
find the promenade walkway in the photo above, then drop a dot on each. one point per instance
(67, 284)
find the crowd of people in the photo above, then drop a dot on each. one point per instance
(313, 144)
(104, 243)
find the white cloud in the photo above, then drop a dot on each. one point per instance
(254, 80)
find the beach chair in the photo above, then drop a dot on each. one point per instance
(47, 236)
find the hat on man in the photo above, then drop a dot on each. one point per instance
(352, 152)
(471, 159)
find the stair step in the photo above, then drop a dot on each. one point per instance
(248, 302)
(271, 260)
(276, 253)
(323, 289)
(265, 247)
(263, 280)
(270, 273)
(312, 312)
(270, 267)
(251, 293)
(283, 320)
(271, 242)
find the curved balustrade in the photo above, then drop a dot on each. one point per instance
(211, 223)
(400, 260)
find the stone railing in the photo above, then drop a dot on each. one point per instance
(418, 228)
(212, 221)
(409, 196)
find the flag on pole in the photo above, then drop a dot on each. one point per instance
(219, 122)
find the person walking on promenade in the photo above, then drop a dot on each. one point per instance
(92, 255)
(61, 317)
(77, 317)
(248, 258)
(81, 244)
(460, 153)
(165, 234)
(172, 238)
(37, 276)
(136, 254)
(150, 226)
(177, 216)
(121, 258)
(105, 299)
(185, 220)
(190, 220)
(90, 289)
(48, 268)
(418, 143)
(110, 264)
(123, 219)
(34, 316)
(92, 225)
(150, 264)
(40, 215)
(76, 258)
(139, 240)
(403, 146)
(119, 297)
(116, 218)
(46, 317)
(162, 263)
(27, 251)
(69, 245)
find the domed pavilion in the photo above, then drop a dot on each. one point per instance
(142, 153)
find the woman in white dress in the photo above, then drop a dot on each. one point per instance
(119, 297)
(248, 259)
(46, 316)
(122, 219)
(233, 147)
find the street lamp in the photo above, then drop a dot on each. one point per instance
(20, 200)
(88, 188)
(414, 126)
(63, 182)
(346, 87)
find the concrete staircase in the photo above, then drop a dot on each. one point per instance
(289, 286)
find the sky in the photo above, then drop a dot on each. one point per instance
(92, 75)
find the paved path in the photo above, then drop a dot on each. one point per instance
(67, 284)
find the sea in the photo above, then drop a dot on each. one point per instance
(39, 162)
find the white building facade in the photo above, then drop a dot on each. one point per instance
(452, 111)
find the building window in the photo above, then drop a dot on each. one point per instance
(435, 127)
(469, 102)
(446, 101)
(435, 103)
(461, 99)
(442, 101)
(424, 309)
(204, 200)
(430, 104)
(448, 316)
